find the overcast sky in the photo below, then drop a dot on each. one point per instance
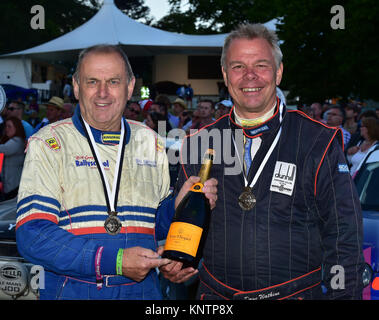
(158, 8)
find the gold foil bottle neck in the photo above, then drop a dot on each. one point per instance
(205, 169)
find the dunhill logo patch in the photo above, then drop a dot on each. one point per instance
(283, 179)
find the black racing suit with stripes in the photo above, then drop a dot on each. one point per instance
(315, 228)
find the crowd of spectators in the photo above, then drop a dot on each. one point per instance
(359, 125)
(18, 122)
(176, 114)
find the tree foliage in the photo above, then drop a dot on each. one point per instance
(215, 16)
(178, 22)
(319, 62)
(135, 9)
(61, 16)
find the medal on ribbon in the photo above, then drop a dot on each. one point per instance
(112, 224)
(247, 200)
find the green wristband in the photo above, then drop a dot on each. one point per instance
(120, 254)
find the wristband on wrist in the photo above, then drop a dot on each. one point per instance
(120, 254)
(99, 277)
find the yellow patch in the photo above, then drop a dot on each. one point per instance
(107, 137)
(53, 143)
(160, 146)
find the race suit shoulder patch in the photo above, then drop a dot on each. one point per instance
(160, 146)
(343, 168)
(53, 144)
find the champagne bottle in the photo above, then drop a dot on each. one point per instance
(189, 229)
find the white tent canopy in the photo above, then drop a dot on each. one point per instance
(111, 26)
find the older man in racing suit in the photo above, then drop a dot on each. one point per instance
(94, 195)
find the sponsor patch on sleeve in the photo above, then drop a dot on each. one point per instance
(53, 143)
(343, 168)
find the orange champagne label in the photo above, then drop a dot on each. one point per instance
(183, 237)
(197, 187)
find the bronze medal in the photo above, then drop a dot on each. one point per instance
(112, 224)
(247, 200)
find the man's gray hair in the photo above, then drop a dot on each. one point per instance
(104, 48)
(252, 31)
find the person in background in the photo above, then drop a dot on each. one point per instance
(152, 121)
(325, 110)
(67, 110)
(178, 106)
(3, 116)
(316, 112)
(132, 111)
(370, 133)
(195, 121)
(145, 106)
(185, 120)
(16, 109)
(155, 107)
(54, 109)
(34, 105)
(351, 123)
(336, 118)
(161, 108)
(357, 138)
(67, 90)
(206, 113)
(163, 99)
(222, 108)
(12, 145)
(33, 119)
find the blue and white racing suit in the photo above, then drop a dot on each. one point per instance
(62, 208)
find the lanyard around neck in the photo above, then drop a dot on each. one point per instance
(267, 156)
(110, 195)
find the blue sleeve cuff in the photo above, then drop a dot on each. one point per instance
(165, 213)
(108, 261)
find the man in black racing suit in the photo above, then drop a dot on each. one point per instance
(287, 224)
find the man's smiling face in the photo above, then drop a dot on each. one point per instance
(251, 76)
(103, 90)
